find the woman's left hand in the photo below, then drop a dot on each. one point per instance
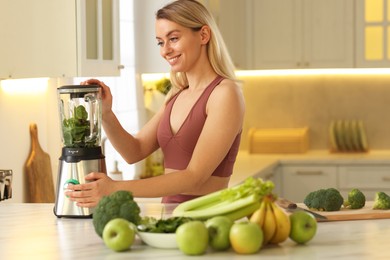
(89, 194)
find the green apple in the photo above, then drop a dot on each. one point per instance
(303, 226)
(118, 234)
(246, 237)
(192, 237)
(219, 228)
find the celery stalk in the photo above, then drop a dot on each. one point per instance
(230, 201)
(220, 209)
(243, 212)
(198, 202)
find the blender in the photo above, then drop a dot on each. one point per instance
(80, 124)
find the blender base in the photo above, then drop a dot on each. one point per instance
(74, 173)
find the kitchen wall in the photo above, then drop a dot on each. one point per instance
(17, 111)
(39, 105)
(297, 100)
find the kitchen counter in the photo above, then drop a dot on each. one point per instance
(30, 231)
(260, 165)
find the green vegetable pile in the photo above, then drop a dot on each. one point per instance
(331, 200)
(119, 204)
(324, 200)
(169, 225)
(77, 128)
(381, 201)
(356, 199)
(163, 85)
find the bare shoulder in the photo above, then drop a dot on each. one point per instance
(227, 98)
(230, 84)
(227, 90)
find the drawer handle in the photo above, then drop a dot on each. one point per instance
(385, 178)
(309, 173)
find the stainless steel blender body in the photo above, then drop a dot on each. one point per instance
(80, 124)
(73, 171)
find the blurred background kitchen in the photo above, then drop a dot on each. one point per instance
(302, 63)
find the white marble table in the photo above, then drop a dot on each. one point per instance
(31, 231)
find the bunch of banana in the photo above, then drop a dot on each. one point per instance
(274, 222)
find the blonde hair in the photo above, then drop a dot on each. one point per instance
(192, 14)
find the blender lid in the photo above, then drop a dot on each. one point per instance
(81, 89)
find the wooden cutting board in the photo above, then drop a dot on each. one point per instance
(38, 173)
(353, 214)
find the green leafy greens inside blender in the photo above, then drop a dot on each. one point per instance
(77, 129)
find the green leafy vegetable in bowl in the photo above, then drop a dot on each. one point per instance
(160, 233)
(159, 240)
(153, 225)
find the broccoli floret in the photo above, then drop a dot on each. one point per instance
(381, 201)
(324, 200)
(119, 204)
(312, 200)
(356, 199)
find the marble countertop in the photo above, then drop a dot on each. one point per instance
(260, 164)
(29, 231)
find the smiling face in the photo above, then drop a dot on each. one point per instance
(182, 47)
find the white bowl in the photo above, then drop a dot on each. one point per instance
(159, 240)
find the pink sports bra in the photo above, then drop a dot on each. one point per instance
(178, 148)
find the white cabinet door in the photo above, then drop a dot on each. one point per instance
(147, 52)
(372, 33)
(328, 34)
(298, 181)
(59, 38)
(302, 33)
(277, 33)
(232, 21)
(98, 38)
(368, 178)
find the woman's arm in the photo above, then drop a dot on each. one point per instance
(131, 148)
(225, 112)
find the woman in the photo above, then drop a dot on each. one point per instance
(199, 127)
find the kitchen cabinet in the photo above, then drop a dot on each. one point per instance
(147, 52)
(302, 34)
(372, 33)
(232, 19)
(59, 38)
(282, 34)
(296, 181)
(368, 178)
(299, 180)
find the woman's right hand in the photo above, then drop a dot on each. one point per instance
(106, 94)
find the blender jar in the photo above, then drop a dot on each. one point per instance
(80, 116)
(80, 121)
